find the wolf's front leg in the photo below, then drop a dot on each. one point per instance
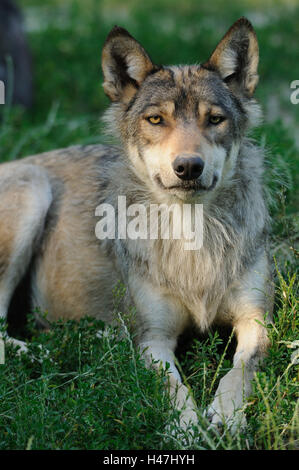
(235, 387)
(160, 320)
(247, 306)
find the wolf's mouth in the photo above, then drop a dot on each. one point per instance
(188, 185)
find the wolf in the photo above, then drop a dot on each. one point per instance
(182, 133)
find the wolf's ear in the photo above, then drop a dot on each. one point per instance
(236, 57)
(125, 65)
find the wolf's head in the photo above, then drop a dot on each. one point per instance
(182, 126)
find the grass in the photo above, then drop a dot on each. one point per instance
(96, 394)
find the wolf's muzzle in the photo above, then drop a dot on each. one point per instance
(188, 168)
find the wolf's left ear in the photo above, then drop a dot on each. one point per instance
(236, 57)
(125, 65)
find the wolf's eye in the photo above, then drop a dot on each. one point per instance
(155, 119)
(216, 119)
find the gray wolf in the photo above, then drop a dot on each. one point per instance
(182, 133)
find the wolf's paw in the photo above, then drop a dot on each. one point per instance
(234, 422)
(227, 409)
(21, 346)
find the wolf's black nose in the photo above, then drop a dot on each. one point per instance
(188, 168)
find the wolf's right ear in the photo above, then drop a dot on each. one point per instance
(125, 65)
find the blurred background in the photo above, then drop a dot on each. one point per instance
(50, 59)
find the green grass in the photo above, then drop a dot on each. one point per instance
(96, 394)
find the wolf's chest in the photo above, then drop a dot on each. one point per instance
(191, 276)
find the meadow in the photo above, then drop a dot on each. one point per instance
(96, 394)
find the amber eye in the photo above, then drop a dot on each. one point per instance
(216, 119)
(155, 119)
